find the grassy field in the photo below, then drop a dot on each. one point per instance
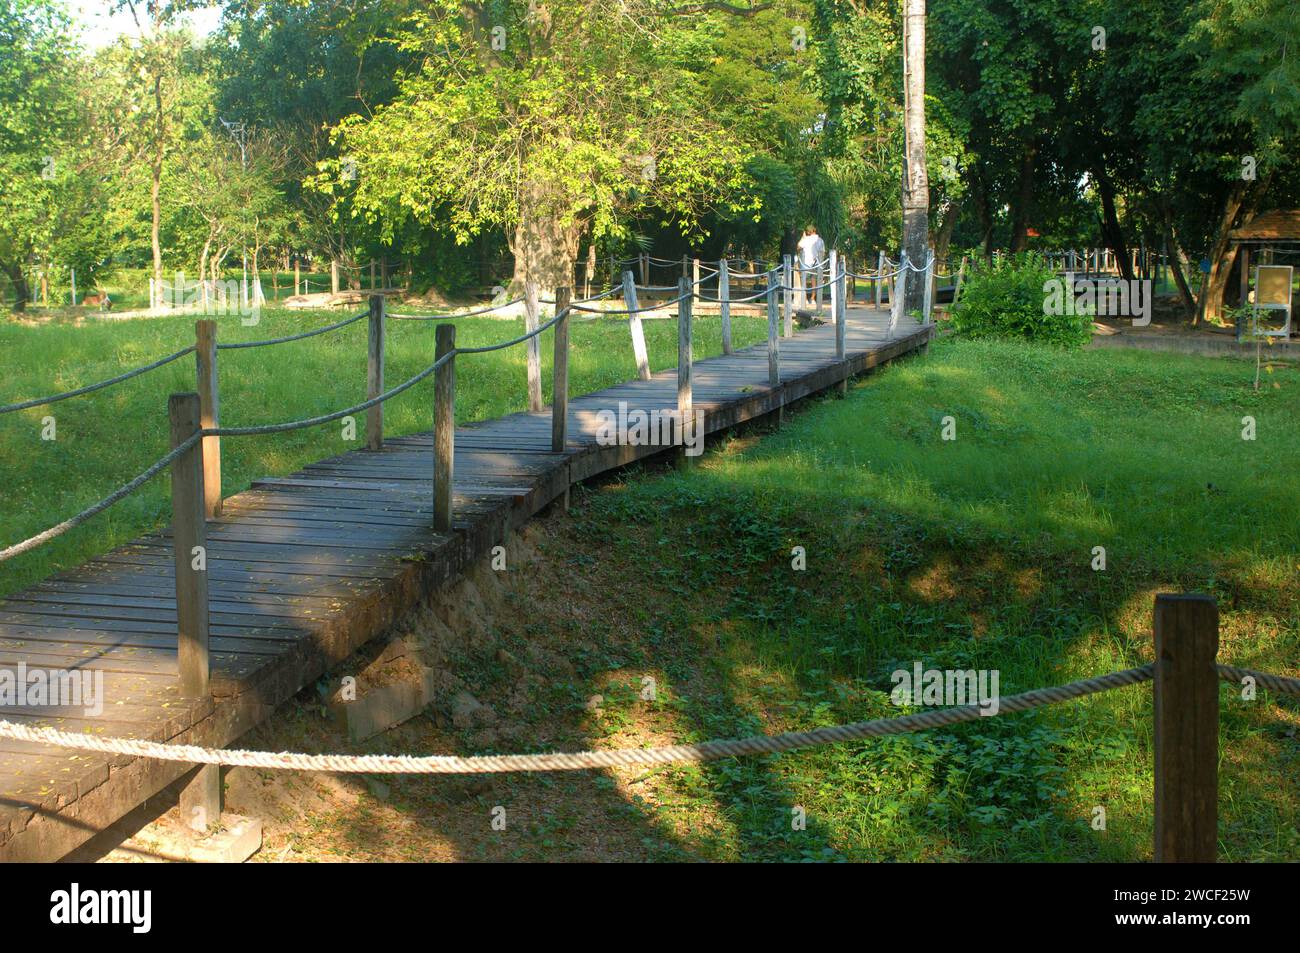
(973, 553)
(105, 438)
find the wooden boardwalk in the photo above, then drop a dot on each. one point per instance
(304, 569)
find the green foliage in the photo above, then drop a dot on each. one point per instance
(1014, 298)
(39, 119)
(967, 554)
(572, 118)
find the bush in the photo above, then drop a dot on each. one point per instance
(1014, 298)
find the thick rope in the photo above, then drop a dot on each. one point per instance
(467, 314)
(293, 337)
(630, 311)
(581, 760)
(513, 341)
(89, 388)
(95, 509)
(1274, 683)
(262, 429)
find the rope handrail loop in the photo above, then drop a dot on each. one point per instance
(89, 388)
(445, 317)
(232, 345)
(262, 429)
(513, 341)
(96, 508)
(558, 761)
(630, 311)
(1281, 684)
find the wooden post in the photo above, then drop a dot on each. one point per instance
(375, 373)
(841, 312)
(205, 353)
(444, 427)
(880, 273)
(189, 540)
(590, 271)
(695, 282)
(686, 266)
(1243, 251)
(1186, 709)
(634, 325)
(928, 291)
(297, 275)
(334, 275)
(773, 348)
(645, 269)
(560, 372)
(961, 276)
(835, 286)
(684, 394)
(897, 292)
(200, 798)
(533, 349)
(724, 304)
(789, 268)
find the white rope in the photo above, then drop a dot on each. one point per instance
(581, 760)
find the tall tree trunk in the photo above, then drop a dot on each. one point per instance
(1112, 234)
(916, 184)
(1211, 298)
(984, 211)
(1024, 199)
(943, 238)
(22, 293)
(545, 249)
(1176, 269)
(160, 130)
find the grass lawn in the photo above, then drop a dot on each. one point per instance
(105, 438)
(973, 553)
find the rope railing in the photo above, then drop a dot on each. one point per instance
(713, 750)
(688, 290)
(263, 429)
(98, 507)
(232, 345)
(631, 311)
(445, 317)
(91, 388)
(254, 431)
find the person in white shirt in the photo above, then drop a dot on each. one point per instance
(811, 253)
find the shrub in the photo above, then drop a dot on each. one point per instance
(1013, 298)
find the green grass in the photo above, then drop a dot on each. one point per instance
(105, 438)
(974, 553)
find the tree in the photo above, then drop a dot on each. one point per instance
(546, 119)
(296, 70)
(916, 182)
(39, 124)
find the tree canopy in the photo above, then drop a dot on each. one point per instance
(512, 136)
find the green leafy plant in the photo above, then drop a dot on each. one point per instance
(1015, 298)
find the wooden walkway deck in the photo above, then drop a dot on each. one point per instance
(304, 569)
